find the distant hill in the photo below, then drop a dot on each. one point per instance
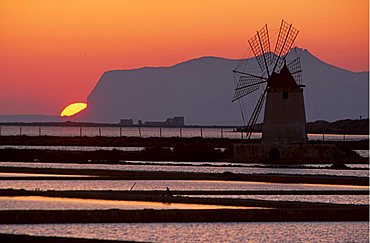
(347, 126)
(201, 90)
(339, 127)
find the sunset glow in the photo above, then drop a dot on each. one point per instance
(73, 109)
(49, 46)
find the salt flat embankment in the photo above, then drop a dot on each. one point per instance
(154, 149)
(101, 174)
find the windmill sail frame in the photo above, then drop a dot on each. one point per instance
(260, 46)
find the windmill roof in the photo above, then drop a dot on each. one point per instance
(284, 79)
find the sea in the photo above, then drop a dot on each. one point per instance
(178, 232)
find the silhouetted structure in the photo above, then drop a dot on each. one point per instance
(284, 118)
(126, 122)
(177, 121)
(283, 131)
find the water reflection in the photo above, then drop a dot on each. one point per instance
(204, 232)
(337, 199)
(72, 148)
(162, 184)
(196, 167)
(6, 174)
(56, 203)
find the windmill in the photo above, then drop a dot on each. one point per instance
(279, 85)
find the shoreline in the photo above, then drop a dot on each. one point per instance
(215, 164)
(101, 174)
(266, 211)
(195, 149)
(343, 126)
(149, 141)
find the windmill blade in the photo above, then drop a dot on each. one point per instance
(246, 85)
(286, 37)
(249, 74)
(256, 112)
(296, 70)
(260, 45)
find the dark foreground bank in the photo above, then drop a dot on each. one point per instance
(246, 210)
(154, 149)
(100, 174)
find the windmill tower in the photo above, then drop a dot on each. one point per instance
(280, 86)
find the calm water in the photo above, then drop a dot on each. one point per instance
(204, 232)
(54, 203)
(162, 184)
(201, 167)
(72, 148)
(340, 199)
(177, 232)
(39, 175)
(151, 132)
(362, 153)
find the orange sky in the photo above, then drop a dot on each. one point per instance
(53, 52)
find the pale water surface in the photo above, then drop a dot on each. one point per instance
(337, 199)
(362, 153)
(6, 174)
(59, 203)
(162, 184)
(201, 167)
(72, 148)
(204, 232)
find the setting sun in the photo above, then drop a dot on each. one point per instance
(73, 109)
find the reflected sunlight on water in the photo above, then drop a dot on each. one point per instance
(44, 203)
(162, 184)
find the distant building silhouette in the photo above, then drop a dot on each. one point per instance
(177, 121)
(126, 122)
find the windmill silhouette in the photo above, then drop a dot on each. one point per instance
(280, 86)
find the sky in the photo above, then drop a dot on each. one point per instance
(52, 53)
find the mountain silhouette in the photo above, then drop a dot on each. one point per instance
(201, 90)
